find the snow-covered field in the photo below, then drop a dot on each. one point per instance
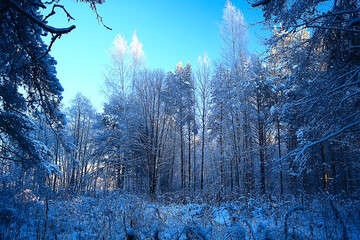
(120, 216)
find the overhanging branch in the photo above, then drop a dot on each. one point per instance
(44, 26)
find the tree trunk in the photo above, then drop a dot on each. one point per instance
(324, 167)
(279, 154)
(194, 156)
(222, 177)
(261, 129)
(189, 156)
(202, 152)
(343, 167)
(182, 151)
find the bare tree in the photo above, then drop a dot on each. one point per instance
(203, 87)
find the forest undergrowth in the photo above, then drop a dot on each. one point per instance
(113, 215)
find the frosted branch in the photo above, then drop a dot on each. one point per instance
(260, 3)
(38, 22)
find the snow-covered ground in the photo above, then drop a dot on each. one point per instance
(120, 216)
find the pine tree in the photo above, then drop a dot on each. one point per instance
(29, 88)
(179, 94)
(324, 81)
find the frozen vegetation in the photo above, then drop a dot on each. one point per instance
(120, 216)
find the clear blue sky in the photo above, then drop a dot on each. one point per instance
(170, 30)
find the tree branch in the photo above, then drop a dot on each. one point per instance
(344, 129)
(49, 48)
(44, 26)
(260, 3)
(352, 23)
(11, 159)
(53, 12)
(332, 28)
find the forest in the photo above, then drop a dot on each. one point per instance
(246, 146)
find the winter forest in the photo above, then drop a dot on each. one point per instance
(247, 146)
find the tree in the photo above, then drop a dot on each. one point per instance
(179, 94)
(119, 71)
(121, 134)
(189, 113)
(233, 33)
(29, 87)
(237, 100)
(137, 58)
(281, 63)
(127, 61)
(203, 87)
(153, 131)
(219, 112)
(116, 140)
(262, 101)
(322, 110)
(81, 121)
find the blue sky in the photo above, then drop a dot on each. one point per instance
(171, 31)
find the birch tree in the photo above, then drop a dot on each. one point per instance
(203, 87)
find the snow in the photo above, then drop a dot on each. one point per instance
(116, 216)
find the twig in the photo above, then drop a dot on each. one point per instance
(98, 17)
(332, 28)
(49, 48)
(53, 12)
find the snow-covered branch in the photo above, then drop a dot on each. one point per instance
(307, 146)
(332, 28)
(260, 3)
(44, 26)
